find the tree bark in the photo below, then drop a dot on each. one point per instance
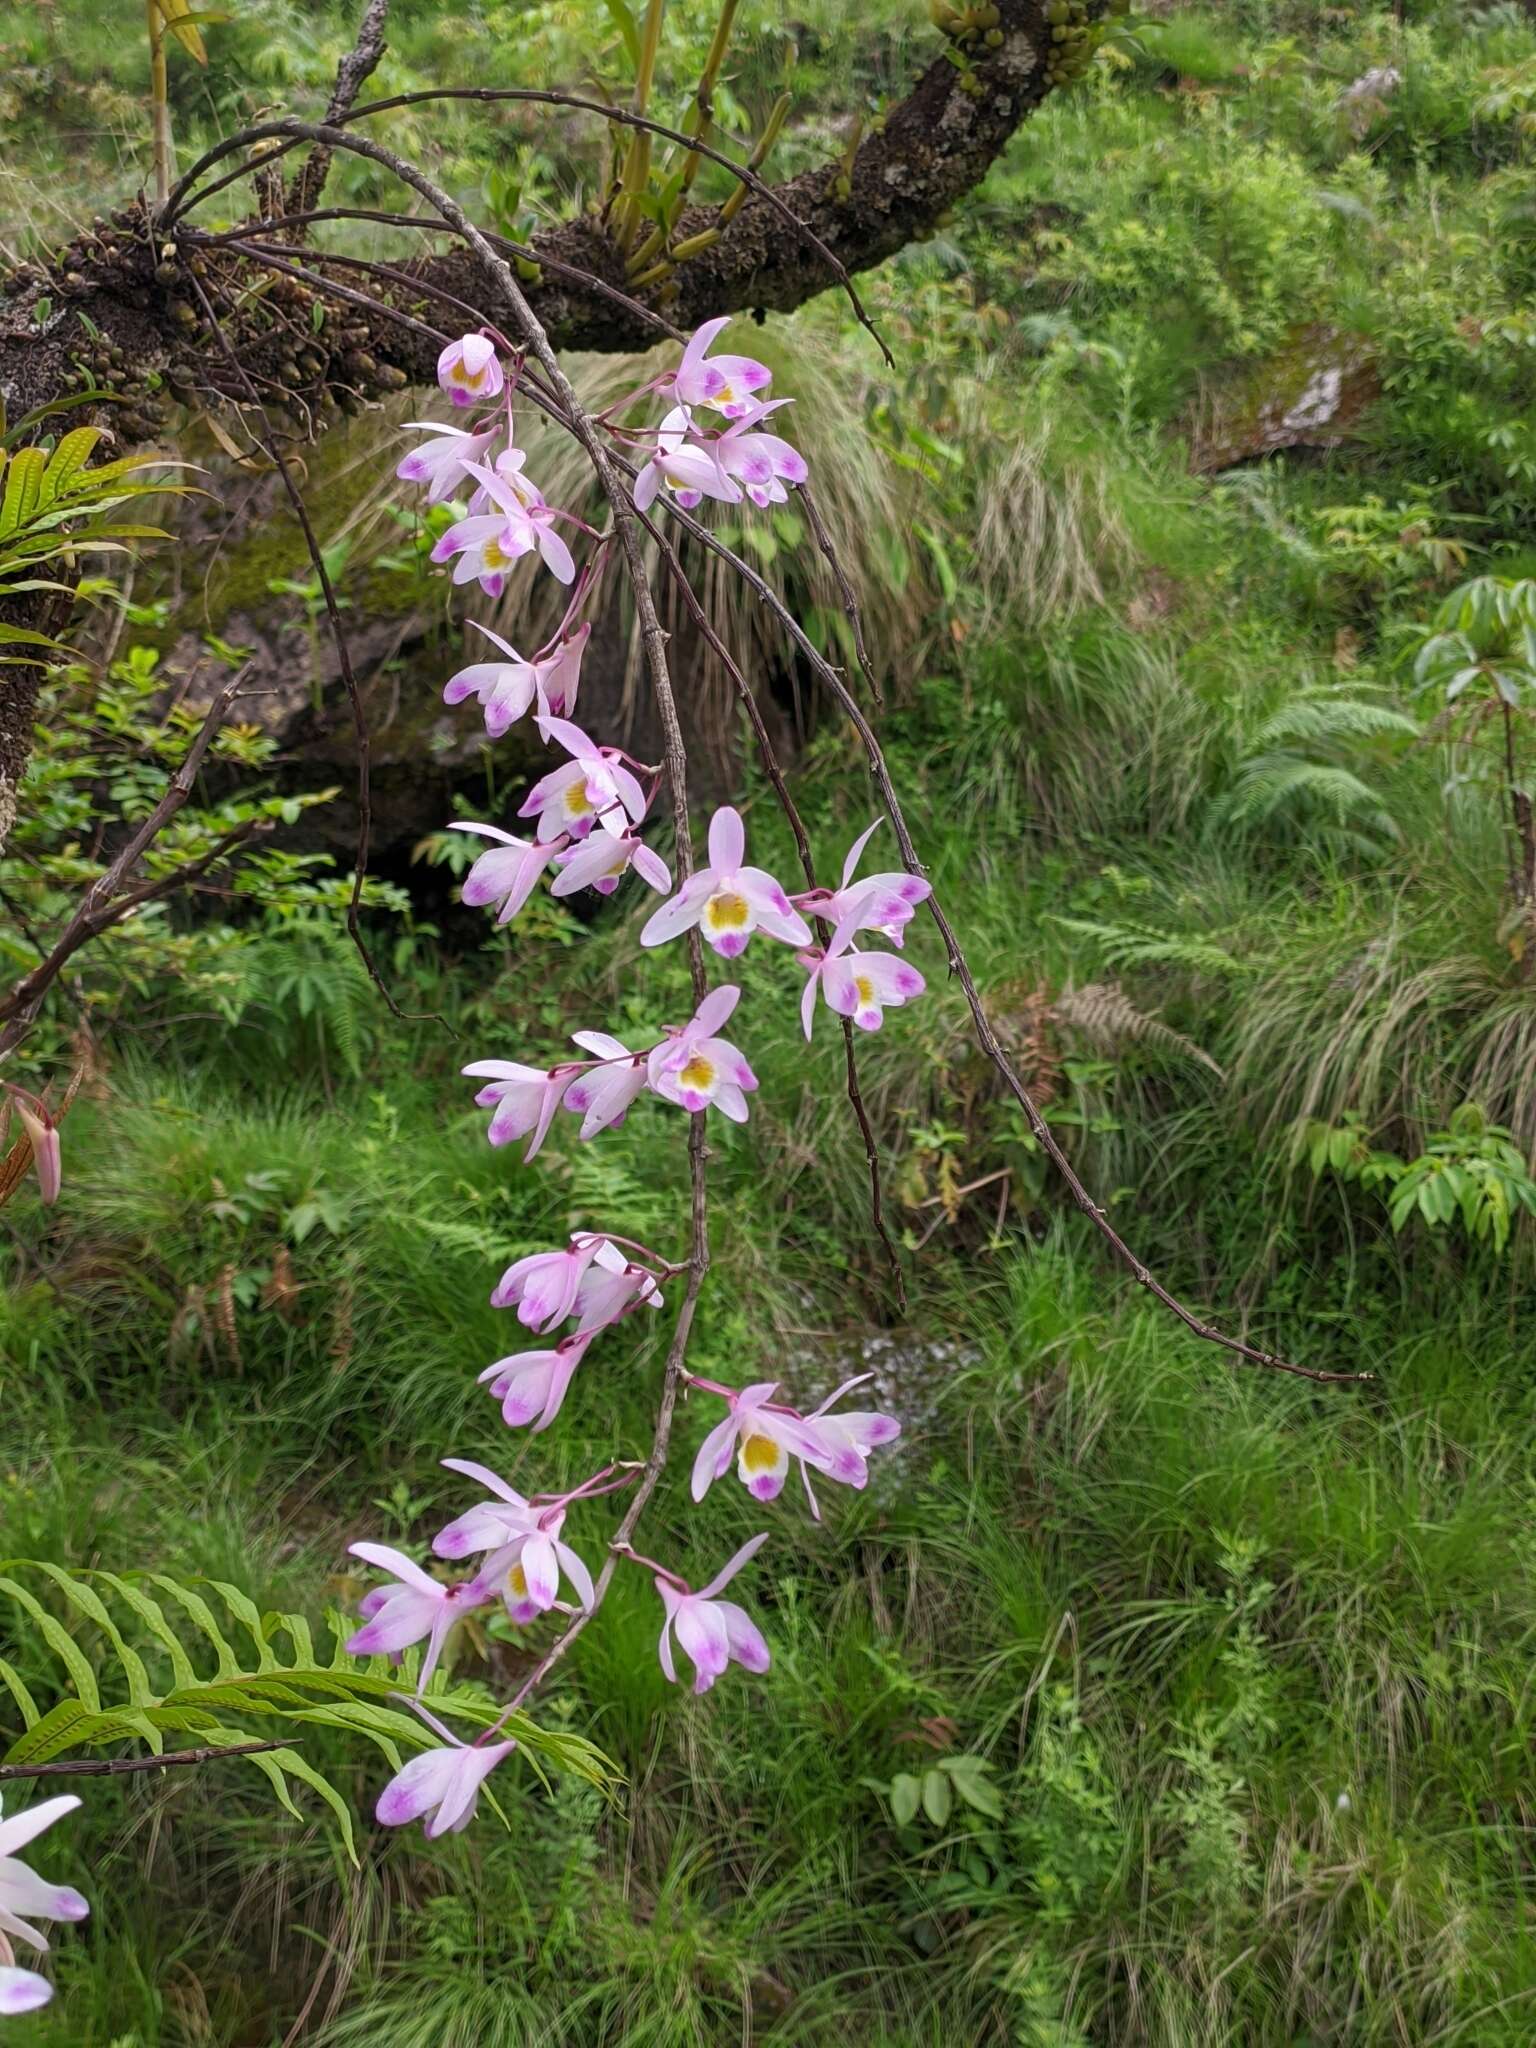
(932, 149)
(116, 306)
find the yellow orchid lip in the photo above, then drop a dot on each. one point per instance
(727, 911)
(761, 1454)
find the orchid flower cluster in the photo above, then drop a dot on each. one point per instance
(586, 824)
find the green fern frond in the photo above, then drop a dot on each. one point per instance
(1137, 945)
(141, 1681)
(1316, 717)
(1272, 784)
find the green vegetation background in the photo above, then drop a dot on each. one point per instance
(1247, 1662)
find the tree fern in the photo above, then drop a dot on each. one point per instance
(149, 1678)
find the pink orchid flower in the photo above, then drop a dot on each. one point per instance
(489, 1524)
(881, 903)
(22, 1891)
(441, 1784)
(761, 463)
(469, 369)
(525, 1572)
(594, 785)
(848, 1438)
(724, 382)
(543, 1287)
(509, 688)
(534, 1383)
(693, 1067)
(524, 1098)
(689, 467)
(764, 1438)
(440, 463)
(602, 1097)
(485, 546)
(728, 902)
(419, 1608)
(42, 1134)
(610, 1287)
(507, 873)
(527, 1555)
(711, 1632)
(601, 863)
(766, 1434)
(855, 984)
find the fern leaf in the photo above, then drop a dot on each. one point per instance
(14, 1684)
(81, 1596)
(23, 486)
(1105, 1015)
(278, 1765)
(286, 1681)
(59, 1640)
(69, 458)
(153, 1616)
(1135, 945)
(201, 1615)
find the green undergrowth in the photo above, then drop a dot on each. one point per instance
(1243, 1656)
(1145, 1697)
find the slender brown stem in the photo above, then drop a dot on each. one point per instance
(768, 755)
(959, 968)
(105, 902)
(352, 74)
(290, 133)
(126, 1766)
(295, 498)
(851, 611)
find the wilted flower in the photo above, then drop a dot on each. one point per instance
(693, 1067)
(711, 1632)
(441, 1783)
(728, 902)
(42, 1135)
(469, 370)
(23, 1892)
